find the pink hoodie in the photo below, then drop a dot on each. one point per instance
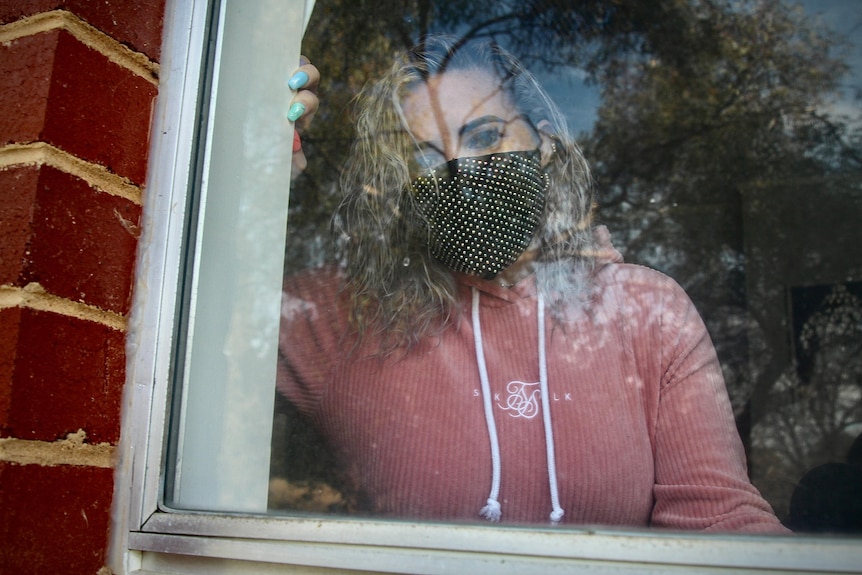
(639, 422)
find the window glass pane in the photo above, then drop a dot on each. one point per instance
(724, 143)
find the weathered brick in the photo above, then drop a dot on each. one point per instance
(10, 319)
(77, 242)
(59, 374)
(18, 187)
(83, 242)
(26, 67)
(95, 109)
(54, 519)
(135, 23)
(98, 110)
(68, 374)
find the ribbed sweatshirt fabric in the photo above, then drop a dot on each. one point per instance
(642, 424)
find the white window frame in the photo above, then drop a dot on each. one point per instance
(148, 538)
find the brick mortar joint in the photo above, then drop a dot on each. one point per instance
(73, 450)
(98, 176)
(120, 54)
(34, 296)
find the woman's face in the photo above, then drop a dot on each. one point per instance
(464, 113)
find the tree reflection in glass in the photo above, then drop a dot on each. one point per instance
(718, 150)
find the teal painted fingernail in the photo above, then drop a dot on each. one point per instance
(297, 110)
(298, 80)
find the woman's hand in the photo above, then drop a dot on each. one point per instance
(302, 108)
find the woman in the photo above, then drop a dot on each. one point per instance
(483, 350)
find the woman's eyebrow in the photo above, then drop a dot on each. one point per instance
(469, 126)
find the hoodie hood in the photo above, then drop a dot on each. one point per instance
(605, 254)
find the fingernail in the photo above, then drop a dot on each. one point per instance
(298, 80)
(297, 110)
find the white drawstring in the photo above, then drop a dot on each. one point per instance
(557, 512)
(492, 511)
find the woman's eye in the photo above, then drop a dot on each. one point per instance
(487, 138)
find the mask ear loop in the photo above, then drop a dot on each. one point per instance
(557, 148)
(544, 130)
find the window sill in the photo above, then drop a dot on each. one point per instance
(288, 543)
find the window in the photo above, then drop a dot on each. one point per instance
(783, 326)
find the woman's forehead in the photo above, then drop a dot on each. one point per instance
(453, 99)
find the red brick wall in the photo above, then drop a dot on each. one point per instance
(77, 84)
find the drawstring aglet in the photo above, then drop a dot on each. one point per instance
(491, 511)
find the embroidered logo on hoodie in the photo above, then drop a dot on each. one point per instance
(522, 399)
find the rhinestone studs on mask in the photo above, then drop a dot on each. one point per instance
(482, 212)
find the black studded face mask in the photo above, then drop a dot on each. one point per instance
(482, 212)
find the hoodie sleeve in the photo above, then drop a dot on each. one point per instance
(309, 337)
(701, 477)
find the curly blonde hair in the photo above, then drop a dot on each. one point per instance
(397, 288)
